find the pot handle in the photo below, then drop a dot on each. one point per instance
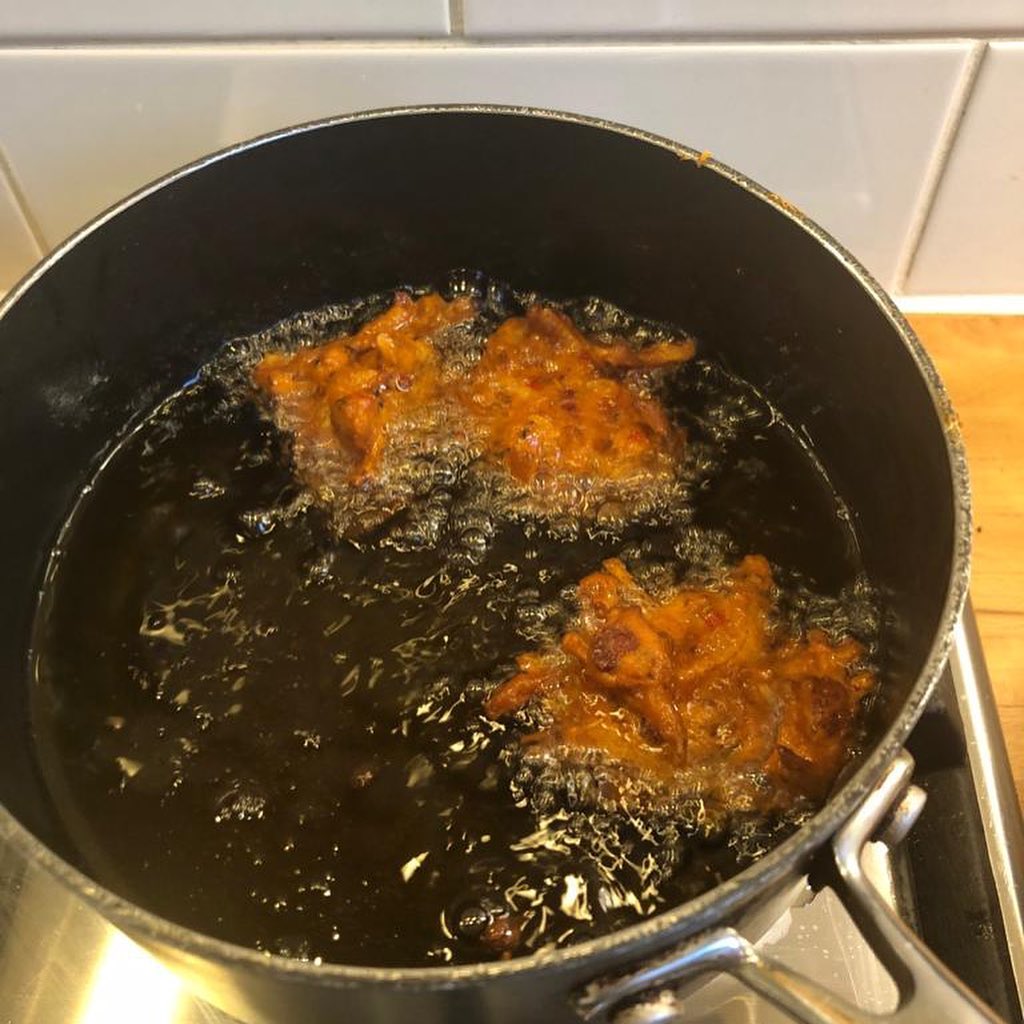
(928, 992)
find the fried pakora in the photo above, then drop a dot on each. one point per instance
(343, 400)
(554, 408)
(559, 413)
(700, 691)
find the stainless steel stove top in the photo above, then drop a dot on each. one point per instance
(60, 963)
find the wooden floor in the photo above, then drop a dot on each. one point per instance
(981, 360)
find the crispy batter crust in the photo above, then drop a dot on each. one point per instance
(548, 404)
(698, 688)
(348, 393)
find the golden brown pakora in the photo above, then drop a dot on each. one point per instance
(699, 690)
(552, 407)
(341, 400)
(558, 412)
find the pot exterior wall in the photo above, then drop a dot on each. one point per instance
(542, 994)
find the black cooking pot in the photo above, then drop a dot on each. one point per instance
(125, 312)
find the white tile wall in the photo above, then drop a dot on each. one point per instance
(974, 239)
(147, 19)
(91, 127)
(18, 249)
(739, 17)
(847, 131)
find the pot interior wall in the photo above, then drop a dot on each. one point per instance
(129, 313)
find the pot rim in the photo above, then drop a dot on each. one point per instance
(729, 896)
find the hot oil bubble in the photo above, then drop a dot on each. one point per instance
(472, 921)
(473, 543)
(473, 531)
(464, 282)
(319, 568)
(500, 302)
(205, 488)
(537, 620)
(704, 552)
(294, 947)
(257, 523)
(243, 801)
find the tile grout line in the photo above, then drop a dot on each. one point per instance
(8, 177)
(457, 37)
(457, 18)
(936, 169)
